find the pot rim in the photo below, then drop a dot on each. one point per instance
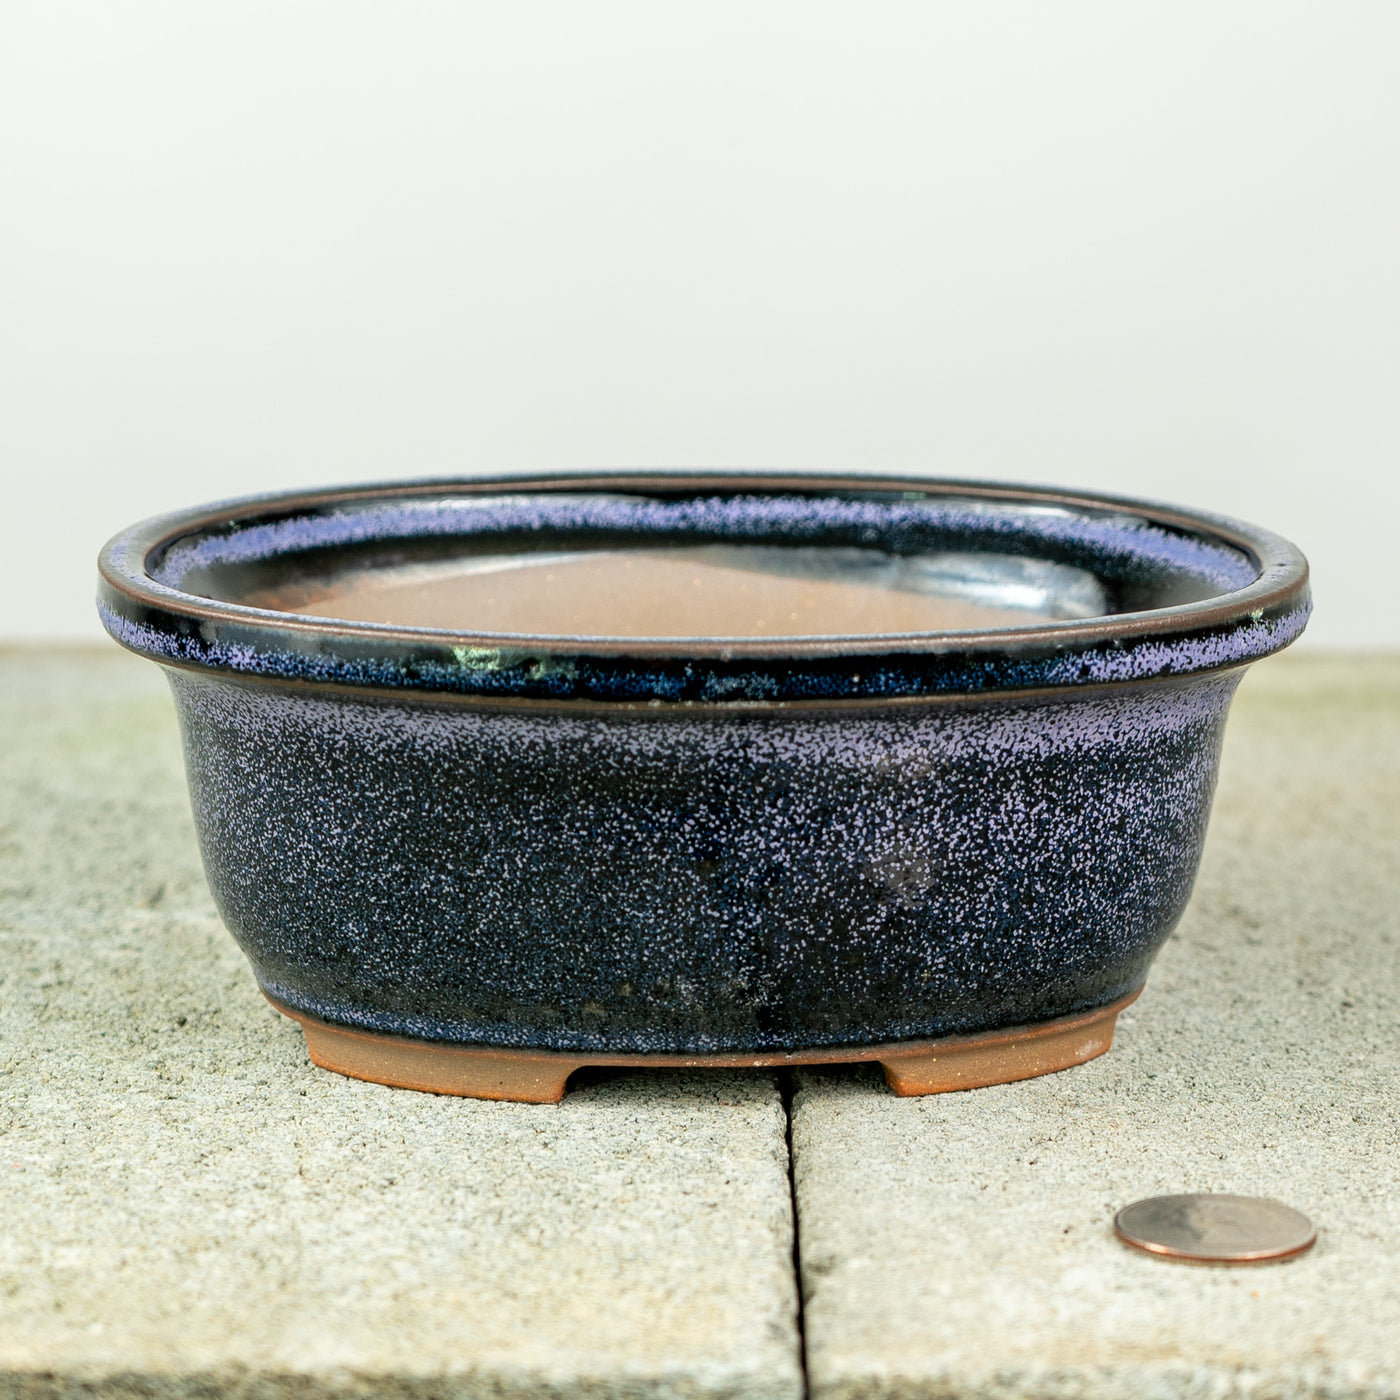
(176, 627)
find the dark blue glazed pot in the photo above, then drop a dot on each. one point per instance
(703, 844)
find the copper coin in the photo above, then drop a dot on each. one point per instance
(1215, 1229)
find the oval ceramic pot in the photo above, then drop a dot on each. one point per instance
(472, 860)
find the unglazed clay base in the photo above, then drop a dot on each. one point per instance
(539, 1076)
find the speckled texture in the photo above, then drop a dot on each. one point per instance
(192, 1210)
(524, 672)
(699, 881)
(1119, 544)
(799, 843)
(961, 1246)
(1143, 563)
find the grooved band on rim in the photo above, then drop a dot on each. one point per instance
(1238, 622)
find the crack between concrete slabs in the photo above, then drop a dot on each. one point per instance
(787, 1088)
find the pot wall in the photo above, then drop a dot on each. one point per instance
(699, 879)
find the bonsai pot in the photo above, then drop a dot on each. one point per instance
(495, 779)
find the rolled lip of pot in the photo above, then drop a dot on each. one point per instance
(1257, 583)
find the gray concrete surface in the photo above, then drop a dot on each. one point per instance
(190, 1209)
(960, 1246)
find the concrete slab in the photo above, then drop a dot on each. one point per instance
(962, 1246)
(191, 1209)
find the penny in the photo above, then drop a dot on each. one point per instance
(1215, 1228)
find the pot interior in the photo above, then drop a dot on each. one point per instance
(713, 566)
(707, 590)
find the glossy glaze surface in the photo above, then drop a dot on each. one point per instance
(663, 843)
(1185, 593)
(699, 881)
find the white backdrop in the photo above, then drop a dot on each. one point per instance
(1151, 248)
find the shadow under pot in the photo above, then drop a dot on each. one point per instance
(497, 779)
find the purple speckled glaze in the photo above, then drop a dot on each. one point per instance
(1113, 538)
(703, 844)
(699, 883)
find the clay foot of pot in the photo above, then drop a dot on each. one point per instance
(540, 1076)
(1000, 1057)
(472, 1073)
